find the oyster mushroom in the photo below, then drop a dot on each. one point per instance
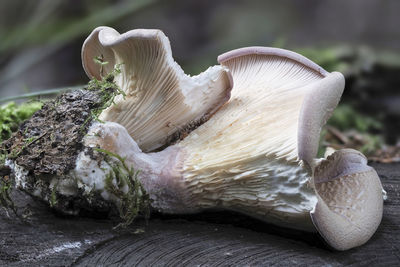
(350, 202)
(160, 100)
(256, 155)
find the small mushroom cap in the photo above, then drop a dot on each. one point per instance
(350, 201)
(161, 99)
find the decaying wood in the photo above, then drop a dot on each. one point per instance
(208, 239)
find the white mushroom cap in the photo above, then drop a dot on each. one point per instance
(160, 98)
(247, 156)
(350, 201)
(299, 95)
(279, 102)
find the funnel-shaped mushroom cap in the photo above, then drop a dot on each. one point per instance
(161, 99)
(279, 102)
(350, 201)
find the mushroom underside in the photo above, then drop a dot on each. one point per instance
(254, 153)
(161, 103)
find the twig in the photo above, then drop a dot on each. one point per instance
(41, 93)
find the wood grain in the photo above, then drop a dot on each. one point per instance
(207, 239)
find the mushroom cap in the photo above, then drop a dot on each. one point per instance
(161, 100)
(259, 134)
(286, 74)
(279, 102)
(350, 201)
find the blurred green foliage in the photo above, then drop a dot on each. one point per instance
(372, 144)
(11, 115)
(328, 58)
(55, 22)
(358, 129)
(345, 117)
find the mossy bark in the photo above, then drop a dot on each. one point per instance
(47, 145)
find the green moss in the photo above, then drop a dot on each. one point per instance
(11, 115)
(3, 156)
(135, 200)
(107, 88)
(5, 191)
(53, 197)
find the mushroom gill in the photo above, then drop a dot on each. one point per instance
(248, 155)
(256, 155)
(160, 99)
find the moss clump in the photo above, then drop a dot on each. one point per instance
(131, 201)
(48, 142)
(11, 115)
(107, 87)
(47, 145)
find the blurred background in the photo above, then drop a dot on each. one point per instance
(40, 44)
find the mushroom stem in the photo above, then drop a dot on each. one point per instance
(254, 154)
(161, 102)
(269, 189)
(343, 202)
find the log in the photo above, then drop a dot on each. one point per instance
(207, 239)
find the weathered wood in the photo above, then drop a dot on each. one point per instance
(208, 239)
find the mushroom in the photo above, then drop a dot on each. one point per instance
(256, 155)
(350, 201)
(160, 100)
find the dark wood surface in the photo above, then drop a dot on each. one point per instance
(207, 239)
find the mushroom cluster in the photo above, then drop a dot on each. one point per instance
(241, 136)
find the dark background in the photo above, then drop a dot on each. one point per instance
(40, 41)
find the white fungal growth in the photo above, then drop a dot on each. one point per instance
(20, 174)
(90, 173)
